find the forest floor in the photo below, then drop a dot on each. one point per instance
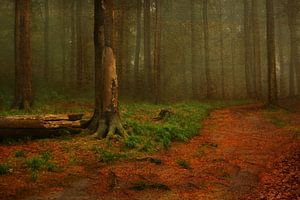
(243, 152)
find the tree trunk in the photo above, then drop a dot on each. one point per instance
(256, 49)
(23, 57)
(147, 47)
(272, 84)
(193, 51)
(137, 81)
(46, 42)
(73, 43)
(221, 49)
(63, 43)
(157, 52)
(248, 58)
(209, 88)
(80, 44)
(232, 47)
(292, 22)
(106, 120)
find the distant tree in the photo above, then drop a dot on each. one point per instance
(157, 51)
(256, 50)
(137, 81)
(46, 42)
(248, 49)
(106, 120)
(147, 46)
(272, 83)
(23, 58)
(222, 47)
(209, 88)
(292, 8)
(193, 50)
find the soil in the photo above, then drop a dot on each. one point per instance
(243, 152)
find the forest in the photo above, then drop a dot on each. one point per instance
(149, 99)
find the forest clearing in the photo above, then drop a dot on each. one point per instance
(149, 99)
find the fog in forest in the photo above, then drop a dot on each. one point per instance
(166, 51)
(149, 99)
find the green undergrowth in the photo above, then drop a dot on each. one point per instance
(149, 133)
(41, 162)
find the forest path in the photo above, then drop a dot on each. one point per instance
(231, 159)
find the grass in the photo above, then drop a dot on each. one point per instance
(39, 162)
(4, 169)
(278, 122)
(107, 156)
(20, 153)
(142, 185)
(147, 134)
(184, 164)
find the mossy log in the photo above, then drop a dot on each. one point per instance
(40, 126)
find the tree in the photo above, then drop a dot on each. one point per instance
(23, 60)
(147, 45)
(106, 120)
(137, 81)
(193, 50)
(209, 88)
(157, 51)
(272, 84)
(221, 48)
(256, 49)
(248, 47)
(46, 42)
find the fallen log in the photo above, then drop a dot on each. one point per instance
(41, 126)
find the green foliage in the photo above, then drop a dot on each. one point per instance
(4, 169)
(107, 156)
(278, 122)
(132, 141)
(184, 164)
(20, 153)
(141, 185)
(41, 162)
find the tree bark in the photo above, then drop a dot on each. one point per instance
(106, 120)
(157, 52)
(222, 49)
(137, 81)
(147, 46)
(46, 42)
(23, 57)
(209, 88)
(294, 60)
(256, 49)
(193, 51)
(248, 54)
(272, 83)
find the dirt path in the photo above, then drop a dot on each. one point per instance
(231, 159)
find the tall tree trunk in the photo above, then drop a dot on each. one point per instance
(157, 51)
(106, 120)
(80, 44)
(256, 49)
(120, 55)
(63, 42)
(73, 43)
(209, 88)
(232, 47)
(137, 81)
(221, 48)
(193, 50)
(292, 22)
(272, 84)
(23, 57)
(247, 41)
(46, 42)
(147, 46)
